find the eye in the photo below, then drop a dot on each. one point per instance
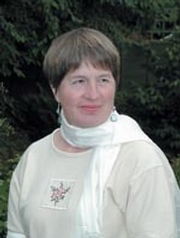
(78, 81)
(104, 80)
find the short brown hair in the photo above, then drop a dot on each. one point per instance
(83, 44)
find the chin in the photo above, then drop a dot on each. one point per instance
(90, 123)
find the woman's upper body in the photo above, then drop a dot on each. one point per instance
(100, 175)
(47, 184)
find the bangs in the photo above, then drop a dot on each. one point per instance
(96, 56)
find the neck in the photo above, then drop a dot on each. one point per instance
(61, 144)
(86, 137)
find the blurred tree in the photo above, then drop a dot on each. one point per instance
(27, 28)
(156, 104)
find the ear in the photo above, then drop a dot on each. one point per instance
(54, 91)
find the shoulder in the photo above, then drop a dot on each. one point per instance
(41, 146)
(136, 157)
(136, 161)
(34, 154)
(140, 148)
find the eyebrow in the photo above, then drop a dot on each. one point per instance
(84, 76)
(106, 75)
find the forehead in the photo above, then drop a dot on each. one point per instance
(85, 66)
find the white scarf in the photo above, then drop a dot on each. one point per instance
(106, 141)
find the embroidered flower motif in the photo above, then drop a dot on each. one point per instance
(58, 193)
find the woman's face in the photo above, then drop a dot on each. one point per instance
(87, 95)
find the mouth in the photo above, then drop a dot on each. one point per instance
(90, 108)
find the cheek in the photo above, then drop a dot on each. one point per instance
(67, 99)
(111, 95)
(62, 94)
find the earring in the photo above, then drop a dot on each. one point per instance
(113, 116)
(58, 111)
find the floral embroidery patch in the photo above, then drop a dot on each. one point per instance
(58, 193)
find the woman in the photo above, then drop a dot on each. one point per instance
(98, 175)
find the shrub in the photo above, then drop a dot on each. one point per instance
(176, 168)
(156, 104)
(12, 143)
(7, 168)
(33, 114)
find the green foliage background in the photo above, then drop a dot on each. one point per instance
(27, 107)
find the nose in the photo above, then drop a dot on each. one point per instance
(92, 90)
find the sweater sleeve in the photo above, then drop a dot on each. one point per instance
(15, 235)
(150, 212)
(14, 223)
